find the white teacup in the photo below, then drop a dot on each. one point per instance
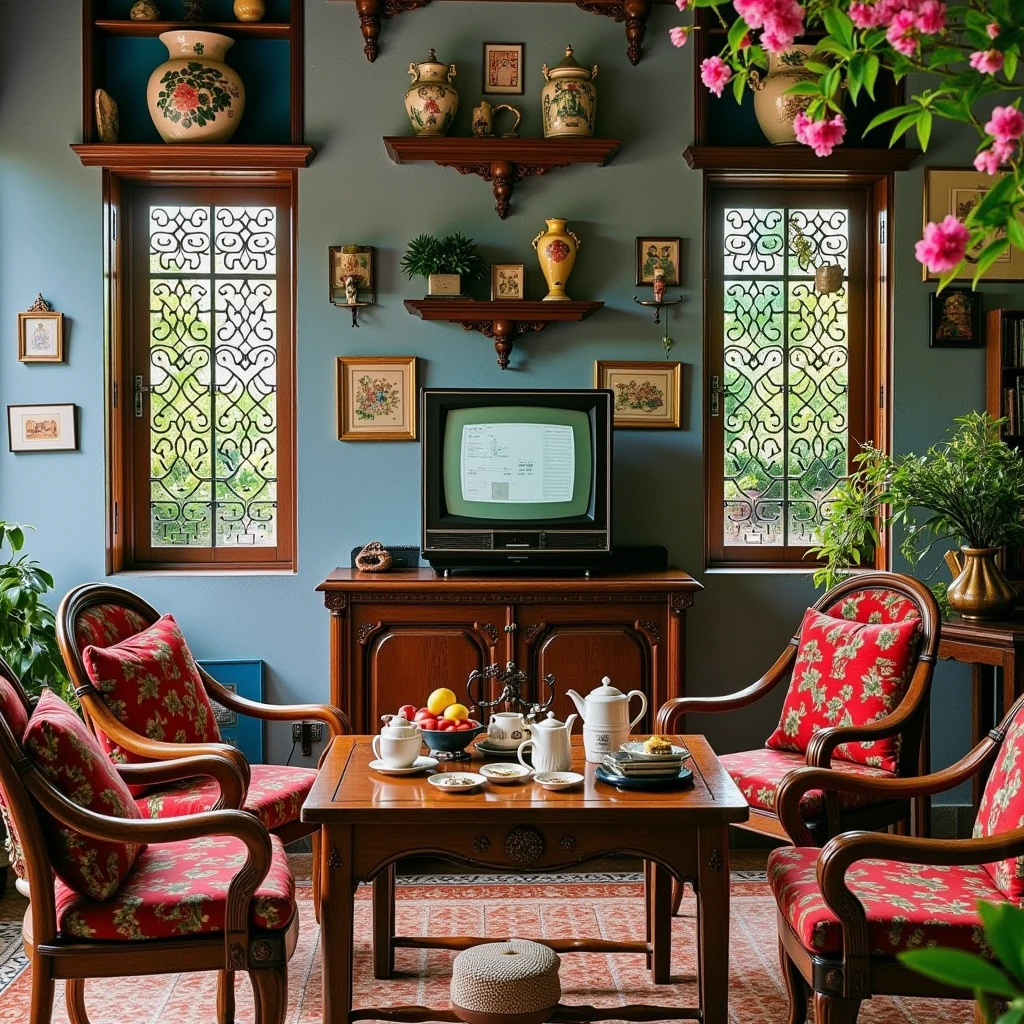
(397, 753)
(506, 730)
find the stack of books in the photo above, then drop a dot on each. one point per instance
(631, 767)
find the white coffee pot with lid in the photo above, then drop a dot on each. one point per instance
(549, 738)
(607, 707)
(398, 744)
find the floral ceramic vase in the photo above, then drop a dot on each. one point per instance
(249, 10)
(431, 100)
(775, 110)
(195, 96)
(569, 98)
(556, 252)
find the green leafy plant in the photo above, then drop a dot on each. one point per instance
(28, 639)
(449, 254)
(970, 488)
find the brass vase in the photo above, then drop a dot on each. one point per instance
(980, 590)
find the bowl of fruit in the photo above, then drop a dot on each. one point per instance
(445, 723)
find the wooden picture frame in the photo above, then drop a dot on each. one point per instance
(654, 251)
(954, 319)
(647, 395)
(503, 69)
(376, 398)
(955, 191)
(41, 336)
(508, 281)
(355, 261)
(42, 428)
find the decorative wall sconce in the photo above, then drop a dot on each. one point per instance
(351, 278)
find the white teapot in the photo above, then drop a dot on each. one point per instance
(605, 714)
(552, 751)
(398, 744)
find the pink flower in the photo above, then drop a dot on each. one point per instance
(931, 17)
(988, 161)
(865, 15)
(943, 245)
(184, 98)
(822, 136)
(715, 74)
(902, 33)
(992, 28)
(753, 12)
(988, 62)
(779, 32)
(682, 4)
(679, 35)
(1006, 124)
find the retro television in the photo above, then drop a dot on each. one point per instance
(516, 479)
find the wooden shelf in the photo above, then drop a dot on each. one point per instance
(742, 159)
(633, 12)
(254, 29)
(193, 156)
(500, 161)
(504, 320)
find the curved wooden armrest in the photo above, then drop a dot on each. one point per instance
(225, 773)
(802, 780)
(673, 709)
(334, 718)
(239, 824)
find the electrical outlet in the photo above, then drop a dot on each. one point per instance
(307, 733)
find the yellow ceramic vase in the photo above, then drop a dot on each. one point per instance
(556, 253)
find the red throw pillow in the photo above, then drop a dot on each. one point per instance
(151, 683)
(62, 748)
(1002, 808)
(847, 673)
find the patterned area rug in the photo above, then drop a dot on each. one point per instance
(606, 905)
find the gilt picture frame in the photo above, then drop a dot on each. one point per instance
(508, 281)
(376, 398)
(42, 428)
(41, 337)
(654, 253)
(647, 394)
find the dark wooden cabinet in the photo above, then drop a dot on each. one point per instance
(396, 636)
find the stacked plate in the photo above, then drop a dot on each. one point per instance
(633, 765)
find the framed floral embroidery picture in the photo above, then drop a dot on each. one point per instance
(376, 398)
(646, 394)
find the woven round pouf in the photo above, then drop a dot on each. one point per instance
(513, 982)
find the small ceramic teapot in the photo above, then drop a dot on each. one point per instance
(398, 744)
(549, 738)
(607, 707)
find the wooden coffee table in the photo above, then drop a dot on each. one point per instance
(369, 822)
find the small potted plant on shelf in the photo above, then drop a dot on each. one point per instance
(972, 488)
(443, 262)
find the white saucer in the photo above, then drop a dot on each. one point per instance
(485, 748)
(421, 764)
(635, 748)
(442, 780)
(511, 773)
(558, 780)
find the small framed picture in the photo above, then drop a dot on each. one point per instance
(348, 261)
(376, 398)
(954, 319)
(508, 281)
(41, 428)
(646, 394)
(657, 254)
(41, 337)
(503, 68)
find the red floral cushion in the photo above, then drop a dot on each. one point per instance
(875, 605)
(847, 673)
(59, 744)
(276, 794)
(759, 773)
(179, 889)
(151, 683)
(1002, 809)
(14, 714)
(907, 905)
(104, 625)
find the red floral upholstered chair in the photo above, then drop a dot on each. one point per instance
(115, 895)
(859, 671)
(844, 911)
(146, 699)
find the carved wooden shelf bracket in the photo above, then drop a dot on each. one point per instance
(370, 13)
(633, 12)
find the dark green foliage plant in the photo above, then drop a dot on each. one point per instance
(449, 254)
(967, 489)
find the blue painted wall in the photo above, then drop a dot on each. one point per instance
(50, 241)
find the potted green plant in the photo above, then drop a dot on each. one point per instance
(970, 488)
(443, 262)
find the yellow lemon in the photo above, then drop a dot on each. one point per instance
(440, 699)
(456, 712)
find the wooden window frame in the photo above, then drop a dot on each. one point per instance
(874, 415)
(124, 493)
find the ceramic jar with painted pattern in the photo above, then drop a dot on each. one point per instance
(775, 111)
(431, 101)
(568, 99)
(556, 252)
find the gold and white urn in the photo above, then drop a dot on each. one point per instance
(569, 98)
(556, 252)
(431, 101)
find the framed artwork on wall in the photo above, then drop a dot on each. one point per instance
(646, 394)
(41, 428)
(657, 254)
(956, 192)
(954, 319)
(351, 261)
(503, 69)
(376, 398)
(41, 334)
(508, 281)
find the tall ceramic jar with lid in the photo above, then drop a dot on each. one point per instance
(774, 108)
(431, 100)
(569, 98)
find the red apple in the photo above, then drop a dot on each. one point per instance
(407, 711)
(423, 715)
(463, 726)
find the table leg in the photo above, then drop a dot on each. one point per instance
(648, 905)
(337, 895)
(384, 923)
(713, 922)
(660, 923)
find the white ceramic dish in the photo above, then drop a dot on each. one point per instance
(504, 773)
(456, 782)
(635, 748)
(421, 764)
(558, 780)
(487, 750)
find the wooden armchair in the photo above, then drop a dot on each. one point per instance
(844, 911)
(249, 919)
(875, 598)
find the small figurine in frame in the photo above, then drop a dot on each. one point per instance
(955, 319)
(657, 254)
(508, 281)
(351, 261)
(503, 69)
(41, 334)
